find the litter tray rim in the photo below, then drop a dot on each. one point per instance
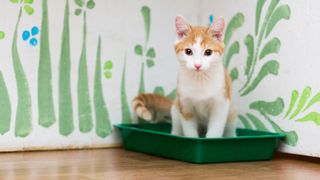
(262, 136)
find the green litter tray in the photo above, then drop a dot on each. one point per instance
(155, 139)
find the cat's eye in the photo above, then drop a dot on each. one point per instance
(188, 51)
(208, 52)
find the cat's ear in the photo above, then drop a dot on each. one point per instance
(182, 27)
(217, 28)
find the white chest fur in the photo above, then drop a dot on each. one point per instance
(202, 85)
(203, 96)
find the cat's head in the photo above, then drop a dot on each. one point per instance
(198, 47)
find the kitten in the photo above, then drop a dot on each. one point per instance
(202, 107)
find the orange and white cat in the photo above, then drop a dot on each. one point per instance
(203, 106)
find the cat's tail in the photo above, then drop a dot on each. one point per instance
(152, 107)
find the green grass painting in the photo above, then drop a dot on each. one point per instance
(258, 54)
(266, 111)
(103, 125)
(5, 104)
(45, 97)
(146, 53)
(66, 125)
(299, 109)
(84, 106)
(235, 23)
(125, 110)
(259, 47)
(23, 123)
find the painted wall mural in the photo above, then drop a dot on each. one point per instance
(23, 120)
(5, 111)
(103, 124)
(23, 125)
(256, 53)
(256, 59)
(47, 114)
(69, 69)
(235, 23)
(65, 99)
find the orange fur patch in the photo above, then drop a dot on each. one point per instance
(145, 104)
(228, 84)
(232, 116)
(154, 101)
(186, 115)
(207, 40)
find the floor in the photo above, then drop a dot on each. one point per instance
(121, 164)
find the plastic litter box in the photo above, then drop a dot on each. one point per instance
(155, 139)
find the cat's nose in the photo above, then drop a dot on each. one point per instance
(197, 66)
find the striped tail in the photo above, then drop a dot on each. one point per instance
(152, 107)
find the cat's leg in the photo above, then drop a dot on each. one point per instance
(187, 119)
(176, 123)
(230, 129)
(182, 109)
(217, 119)
(189, 127)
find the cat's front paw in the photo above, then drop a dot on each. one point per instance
(213, 135)
(176, 133)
